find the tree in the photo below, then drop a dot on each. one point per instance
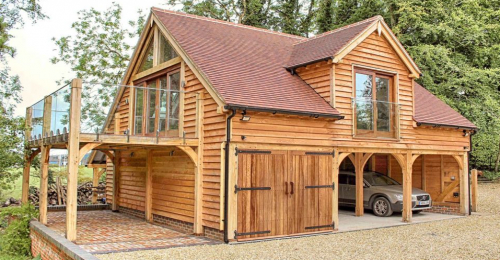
(99, 54)
(11, 12)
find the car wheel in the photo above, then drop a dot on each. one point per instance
(417, 212)
(381, 207)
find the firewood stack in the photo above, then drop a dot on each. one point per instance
(57, 193)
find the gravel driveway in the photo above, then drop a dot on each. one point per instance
(475, 237)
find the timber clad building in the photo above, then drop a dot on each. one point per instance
(238, 133)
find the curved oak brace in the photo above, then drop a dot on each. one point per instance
(342, 156)
(400, 159)
(34, 153)
(365, 159)
(86, 148)
(191, 153)
(414, 158)
(459, 160)
(109, 154)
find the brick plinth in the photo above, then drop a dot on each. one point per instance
(179, 225)
(132, 212)
(214, 233)
(445, 208)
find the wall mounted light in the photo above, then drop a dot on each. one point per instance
(244, 116)
(466, 133)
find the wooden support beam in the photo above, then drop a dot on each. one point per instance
(407, 187)
(87, 148)
(27, 157)
(44, 178)
(464, 183)
(442, 172)
(447, 190)
(109, 154)
(116, 179)
(182, 99)
(335, 176)
(232, 197)
(149, 186)
(96, 165)
(198, 188)
(131, 110)
(191, 153)
(424, 178)
(73, 158)
(95, 183)
(474, 190)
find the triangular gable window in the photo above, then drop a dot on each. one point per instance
(166, 51)
(147, 61)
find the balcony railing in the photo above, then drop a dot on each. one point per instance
(142, 112)
(373, 118)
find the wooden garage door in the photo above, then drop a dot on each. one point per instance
(261, 207)
(283, 193)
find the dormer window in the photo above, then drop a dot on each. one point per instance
(373, 103)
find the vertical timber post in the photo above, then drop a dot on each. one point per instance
(95, 183)
(474, 190)
(116, 179)
(358, 158)
(45, 149)
(335, 178)
(198, 227)
(407, 187)
(27, 157)
(464, 184)
(73, 158)
(149, 186)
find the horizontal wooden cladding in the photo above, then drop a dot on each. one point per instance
(214, 134)
(318, 76)
(121, 112)
(173, 184)
(132, 179)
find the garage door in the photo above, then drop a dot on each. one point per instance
(283, 193)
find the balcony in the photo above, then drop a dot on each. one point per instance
(375, 119)
(146, 116)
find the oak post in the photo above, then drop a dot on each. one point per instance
(464, 184)
(198, 189)
(73, 158)
(95, 183)
(407, 187)
(116, 179)
(474, 190)
(232, 221)
(335, 200)
(424, 178)
(358, 157)
(149, 186)
(44, 173)
(27, 157)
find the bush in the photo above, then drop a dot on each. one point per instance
(491, 175)
(15, 239)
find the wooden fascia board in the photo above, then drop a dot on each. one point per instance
(197, 72)
(381, 26)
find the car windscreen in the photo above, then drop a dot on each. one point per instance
(377, 179)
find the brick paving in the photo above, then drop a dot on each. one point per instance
(101, 232)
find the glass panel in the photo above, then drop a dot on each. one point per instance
(147, 61)
(37, 118)
(151, 106)
(163, 103)
(173, 122)
(364, 114)
(364, 85)
(383, 107)
(139, 109)
(166, 50)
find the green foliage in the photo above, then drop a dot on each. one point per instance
(491, 175)
(14, 237)
(99, 52)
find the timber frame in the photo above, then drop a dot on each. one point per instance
(195, 177)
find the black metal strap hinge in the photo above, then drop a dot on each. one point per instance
(236, 188)
(321, 153)
(321, 186)
(250, 151)
(322, 226)
(236, 234)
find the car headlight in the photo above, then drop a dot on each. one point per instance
(399, 196)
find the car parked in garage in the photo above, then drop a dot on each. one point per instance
(381, 194)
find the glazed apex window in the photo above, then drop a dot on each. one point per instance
(373, 104)
(157, 104)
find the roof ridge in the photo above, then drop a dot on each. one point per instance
(227, 23)
(371, 19)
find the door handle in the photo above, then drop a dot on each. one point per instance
(286, 188)
(291, 184)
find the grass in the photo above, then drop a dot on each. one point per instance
(84, 175)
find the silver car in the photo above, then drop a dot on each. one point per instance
(382, 194)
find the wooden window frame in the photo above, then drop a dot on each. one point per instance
(393, 127)
(143, 83)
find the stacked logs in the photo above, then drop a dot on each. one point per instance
(57, 193)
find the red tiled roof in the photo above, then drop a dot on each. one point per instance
(328, 44)
(244, 64)
(431, 110)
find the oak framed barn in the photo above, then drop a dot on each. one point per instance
(238, 133)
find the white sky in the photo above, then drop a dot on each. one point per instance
(35, 47)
